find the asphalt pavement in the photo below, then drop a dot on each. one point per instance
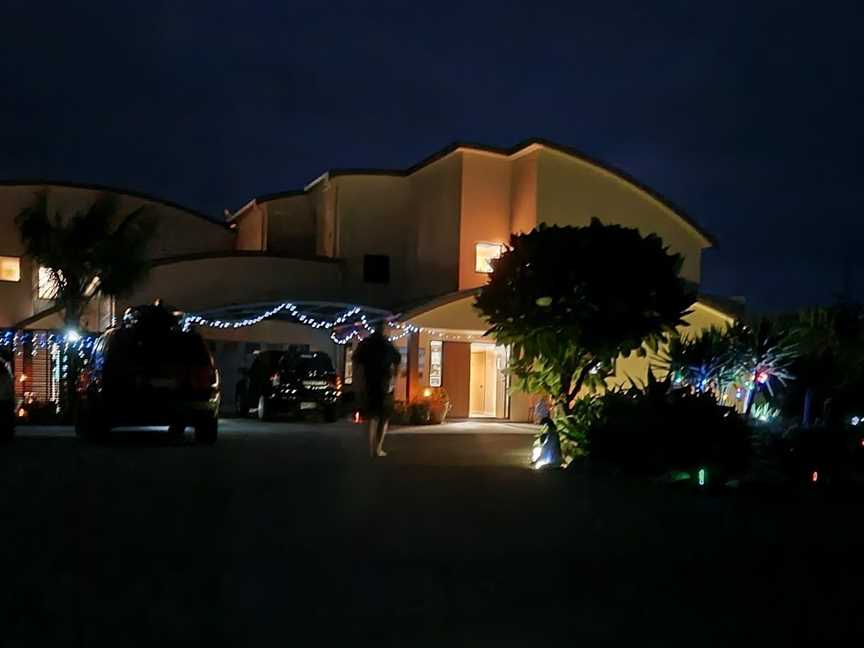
(286, 533)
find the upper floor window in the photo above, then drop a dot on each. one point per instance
(10, 268)
(484, 253)
(46, 284)
(376, 268)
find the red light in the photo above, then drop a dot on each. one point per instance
(815, 476)
(84, 380)
(356, 417)
(862, 442)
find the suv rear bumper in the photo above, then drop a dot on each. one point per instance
(162, 412)
(300, 403)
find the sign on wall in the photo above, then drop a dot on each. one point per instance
(435, 363)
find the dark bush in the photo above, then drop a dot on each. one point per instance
(41, 413)
(833, 452)
(400, 414)
(418, 413)
(656, 429)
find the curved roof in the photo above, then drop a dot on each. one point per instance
(115, 190)
(536, 141)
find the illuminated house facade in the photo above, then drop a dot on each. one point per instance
(410, 245)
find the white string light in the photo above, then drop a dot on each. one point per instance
(192, 319)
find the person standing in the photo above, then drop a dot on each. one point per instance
(377, 361)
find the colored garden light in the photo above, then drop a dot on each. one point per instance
(701, 476)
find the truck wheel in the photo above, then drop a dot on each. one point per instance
(264, 413)
(7, 427)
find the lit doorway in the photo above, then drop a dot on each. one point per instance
(487, 393)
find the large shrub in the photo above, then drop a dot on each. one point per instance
(567, 312)
(656, 428)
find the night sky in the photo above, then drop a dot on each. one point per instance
(746, 114)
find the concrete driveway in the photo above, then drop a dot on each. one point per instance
(287, 534)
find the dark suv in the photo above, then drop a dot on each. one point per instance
(148, 371)
(280, 382)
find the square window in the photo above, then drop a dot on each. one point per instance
(10, 268)
(484, 253)
(376, 268)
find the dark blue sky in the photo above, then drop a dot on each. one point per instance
(747, 114)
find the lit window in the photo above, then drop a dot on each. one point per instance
(46, 284)
(10, 269)
(484, 253)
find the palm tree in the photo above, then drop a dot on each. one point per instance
(704, 362)
(95, 248)
(764, 353)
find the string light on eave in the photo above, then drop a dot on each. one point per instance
(73, 341)
(197, 320)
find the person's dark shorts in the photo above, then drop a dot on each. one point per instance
(377, 405)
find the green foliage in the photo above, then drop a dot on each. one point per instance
(830, 363)
(655, 428)
(756, 356)
(705, 362)
(573, 427)
(418, 413)
(568, 310)
(93, 245)
(764, 353)
(765, 412)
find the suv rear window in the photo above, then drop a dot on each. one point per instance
(164, 347)
(308, 363)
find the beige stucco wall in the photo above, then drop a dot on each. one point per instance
(372, 219)
(178, 232)
(523, 193)
(485, 210)
(459, 314)
(434, 209)
(251, 230)
(276, 332)
(202, 284)
(291, 225)
(571, 192)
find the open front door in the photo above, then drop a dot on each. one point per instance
(455, 376)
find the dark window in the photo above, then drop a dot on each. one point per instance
(376, 268)
(308, 363)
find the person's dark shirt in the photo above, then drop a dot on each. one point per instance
(378, 358)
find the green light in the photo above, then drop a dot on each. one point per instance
(701, 476)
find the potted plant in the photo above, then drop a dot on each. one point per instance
(438, 401)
